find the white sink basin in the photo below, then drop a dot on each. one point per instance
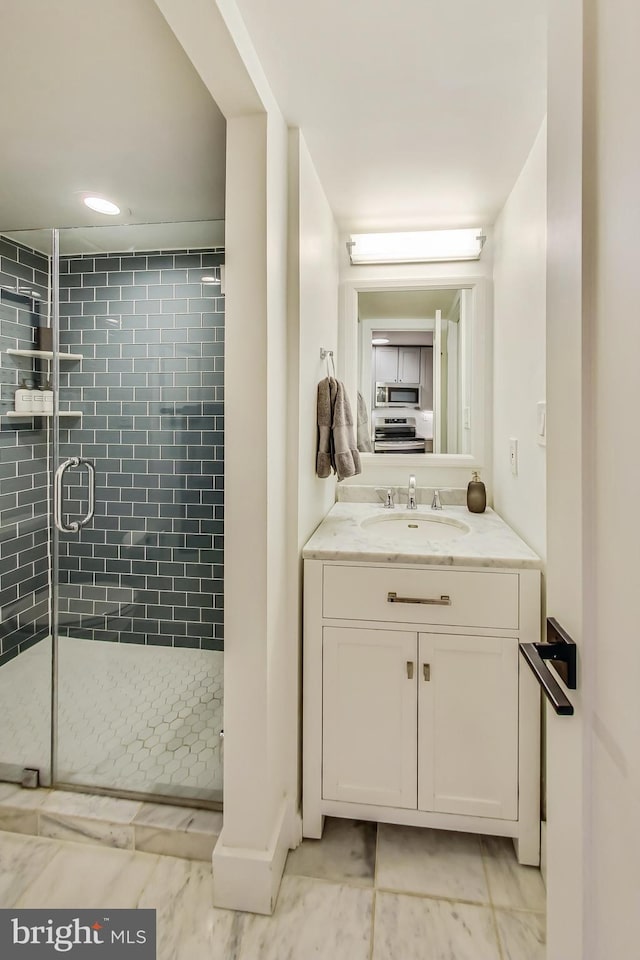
(407, 528)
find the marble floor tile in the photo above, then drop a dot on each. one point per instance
(189, 928)
(510, 883)
(22, 860)
(89, 876)
(416, 928)
(312, 919)
(346, 852)
(522, 935)
(431, 862)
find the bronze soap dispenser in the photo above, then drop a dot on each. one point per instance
(476, 494)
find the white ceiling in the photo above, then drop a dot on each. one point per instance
(418, 113)
(99, 97)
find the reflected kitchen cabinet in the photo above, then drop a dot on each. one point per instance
(397, 364)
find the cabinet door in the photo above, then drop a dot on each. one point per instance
(369, 716)
(408, 364)
(468, 725)
(386, 364)
(426, 377)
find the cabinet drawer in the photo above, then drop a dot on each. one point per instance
(463, 599)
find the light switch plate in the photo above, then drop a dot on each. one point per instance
(541, 422)
(513, 455)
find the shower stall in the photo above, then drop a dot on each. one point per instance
(112, 510)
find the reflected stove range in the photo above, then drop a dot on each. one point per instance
(397, 435)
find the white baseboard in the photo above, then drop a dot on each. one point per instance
(249, 879)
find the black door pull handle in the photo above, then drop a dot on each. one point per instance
(560, 652)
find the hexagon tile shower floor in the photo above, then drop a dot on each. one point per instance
(131, 717)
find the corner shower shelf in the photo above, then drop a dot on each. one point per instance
(44, 354)
(27, 416)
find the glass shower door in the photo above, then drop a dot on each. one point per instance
(25, 535)
(111, 512)
(139, 586)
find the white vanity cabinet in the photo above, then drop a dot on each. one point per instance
(369, 716)
(468, 725)
(416, 707)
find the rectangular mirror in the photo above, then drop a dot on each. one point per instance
(414, 371)
(422, 398)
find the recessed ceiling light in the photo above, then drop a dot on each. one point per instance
(378, 341)
(100, 205)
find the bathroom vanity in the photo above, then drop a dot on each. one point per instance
(417, 708)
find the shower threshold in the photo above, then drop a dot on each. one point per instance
(110, 821)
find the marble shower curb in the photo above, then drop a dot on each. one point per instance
(110, 822)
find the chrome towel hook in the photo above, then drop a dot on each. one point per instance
(328, 355)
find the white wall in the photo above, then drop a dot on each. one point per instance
(261, 710)
(260, 714)
(313, 323)
(519, 346)
(314, 273)
(612, 474)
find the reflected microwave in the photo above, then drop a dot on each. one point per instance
(398, 395)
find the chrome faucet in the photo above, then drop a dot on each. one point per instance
(387, 496)
(411, 494)
(435, 503)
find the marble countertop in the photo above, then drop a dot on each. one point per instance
(490, 542)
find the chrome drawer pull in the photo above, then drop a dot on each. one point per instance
(444, 601)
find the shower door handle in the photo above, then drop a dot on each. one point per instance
(74, 525)
(91, 506)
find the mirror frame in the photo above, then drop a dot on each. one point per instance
(348, 358)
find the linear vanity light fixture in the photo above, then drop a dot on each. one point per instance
(424, 246)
